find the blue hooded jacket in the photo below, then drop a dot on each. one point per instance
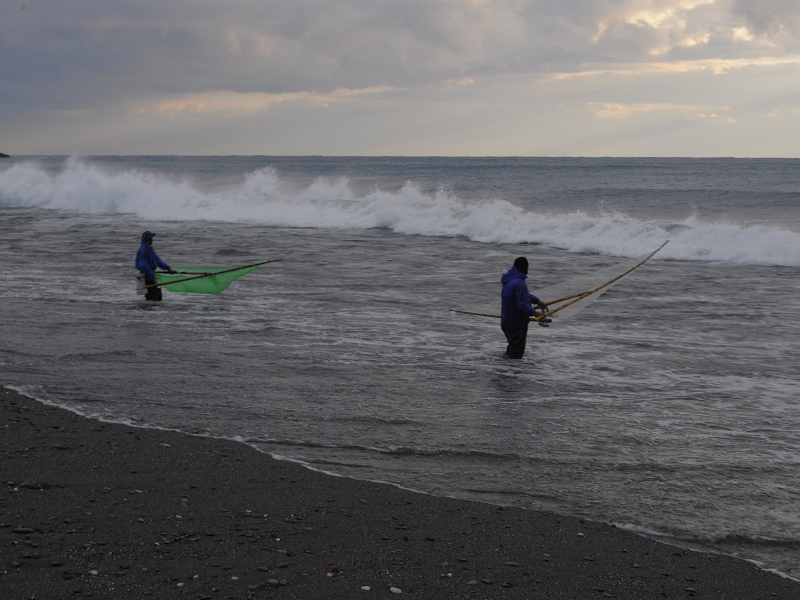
(147, 260)
(517, 300)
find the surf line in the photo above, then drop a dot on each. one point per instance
(159, 284)
(573, 297)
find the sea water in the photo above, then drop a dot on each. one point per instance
(671, 406)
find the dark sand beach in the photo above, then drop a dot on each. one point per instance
(91, 509)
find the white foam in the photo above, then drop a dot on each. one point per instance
(86, 188)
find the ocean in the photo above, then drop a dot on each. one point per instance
(670, 406)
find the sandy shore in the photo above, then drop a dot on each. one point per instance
(91, 509)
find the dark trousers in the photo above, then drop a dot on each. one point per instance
(516, 337)
(153, 293)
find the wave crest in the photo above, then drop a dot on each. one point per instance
(85, 188)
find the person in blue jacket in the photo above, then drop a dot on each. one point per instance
(147, 261)
(517, 307)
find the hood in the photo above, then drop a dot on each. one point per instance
(512, 273)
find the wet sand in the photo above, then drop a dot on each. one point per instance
(91, 509)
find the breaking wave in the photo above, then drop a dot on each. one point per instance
(85, 188)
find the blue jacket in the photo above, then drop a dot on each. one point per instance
(517, 300)
(147, 260)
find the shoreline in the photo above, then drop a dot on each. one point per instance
(108, 510)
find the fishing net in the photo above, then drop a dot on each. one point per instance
(204, 285)
(571, 297)
(581, 284)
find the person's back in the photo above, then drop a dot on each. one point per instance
(517, 307)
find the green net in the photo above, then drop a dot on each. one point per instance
(204, 285)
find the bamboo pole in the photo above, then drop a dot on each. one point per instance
(557, 300)
(466, 312)
(185, 272)
(159, 284)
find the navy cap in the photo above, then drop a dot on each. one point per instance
(148, 235)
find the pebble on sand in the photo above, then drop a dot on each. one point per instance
(395, 590)
(31, 485)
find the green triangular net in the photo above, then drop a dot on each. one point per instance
(205, 285)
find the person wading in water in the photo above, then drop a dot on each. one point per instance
(517, 307)
(147, 261)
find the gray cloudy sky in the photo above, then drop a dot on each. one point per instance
(401, 77)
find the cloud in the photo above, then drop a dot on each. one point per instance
(715, 119)
(609, 110)
(94, 50)
(233, 104)
(190, 60)
(770, 18)
(618, 110)
(782, 112)
(664, 68)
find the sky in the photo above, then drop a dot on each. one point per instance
(401, 77)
